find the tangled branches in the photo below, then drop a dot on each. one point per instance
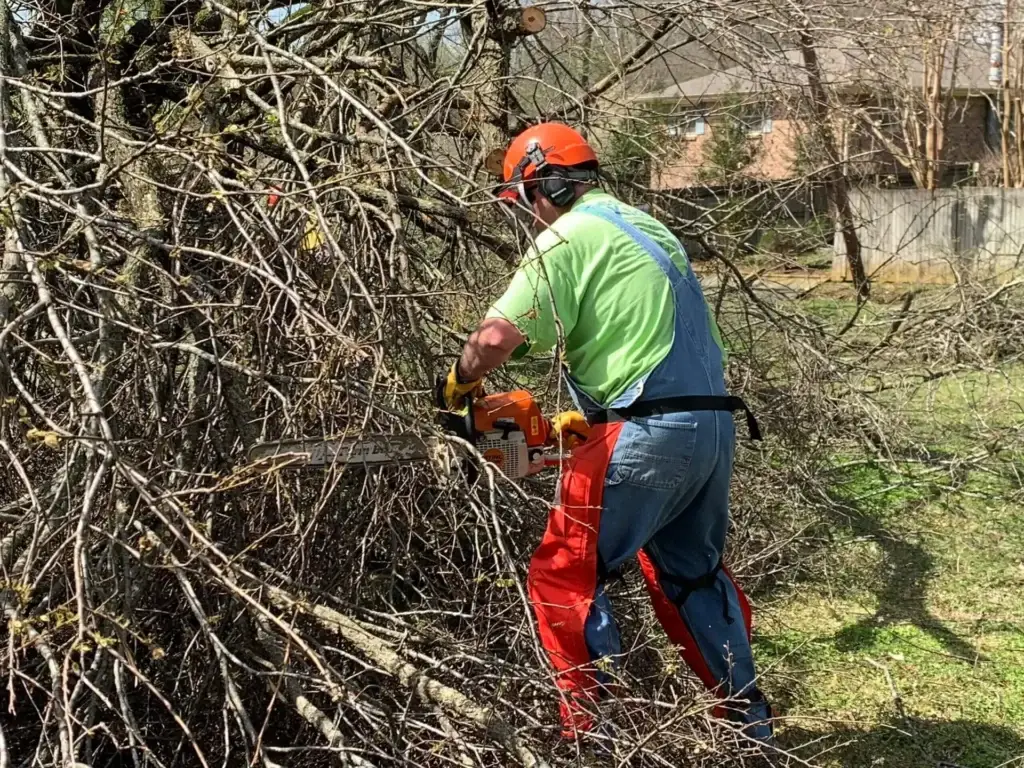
(231, 221)
(227, 222)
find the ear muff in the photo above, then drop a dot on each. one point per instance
(557, 187)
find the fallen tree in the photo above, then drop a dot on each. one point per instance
(227, 222)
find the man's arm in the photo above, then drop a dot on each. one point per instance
(488, 347)
(524, 316)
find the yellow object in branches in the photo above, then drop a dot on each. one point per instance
(49, 438)
(313, 238)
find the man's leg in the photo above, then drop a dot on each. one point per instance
(709, 617)
(617, 491)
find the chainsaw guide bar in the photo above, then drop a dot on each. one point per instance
(376, 451)
(506, 429)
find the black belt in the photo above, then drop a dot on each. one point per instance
(684, 403)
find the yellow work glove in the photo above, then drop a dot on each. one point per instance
(570, 428)
(454, 391)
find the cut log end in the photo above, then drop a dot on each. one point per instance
(532, 20)
(494, 162)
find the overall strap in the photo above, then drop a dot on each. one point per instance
(675, 277)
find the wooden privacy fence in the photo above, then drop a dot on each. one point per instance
(919, 236)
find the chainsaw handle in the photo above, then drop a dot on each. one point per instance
(463, 426)
(469, 423)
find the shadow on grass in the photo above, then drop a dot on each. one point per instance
(909, 743)
(907, 568)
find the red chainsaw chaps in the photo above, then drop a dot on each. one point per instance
(563, 573)
(675, 627)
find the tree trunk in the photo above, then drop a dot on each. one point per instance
(836, 185)
(1004, 127)
(932, 81)
(1012, 90)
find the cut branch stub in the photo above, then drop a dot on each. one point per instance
(511, 25)
(494, 161)
(532, 20)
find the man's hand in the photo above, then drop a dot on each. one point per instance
(453, 393)
(489, 346)
(570, 428)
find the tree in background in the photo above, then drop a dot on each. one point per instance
(628, 152)
(1009, 102)
(911, 63)
(729, 152)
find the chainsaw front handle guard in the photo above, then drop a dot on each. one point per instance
(468, 422)
(460, 426)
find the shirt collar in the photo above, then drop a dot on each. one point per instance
(590, 196)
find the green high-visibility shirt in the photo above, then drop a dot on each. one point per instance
(612, 302)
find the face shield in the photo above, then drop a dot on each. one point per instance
(516, 196)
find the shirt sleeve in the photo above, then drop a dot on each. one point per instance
(538, 300)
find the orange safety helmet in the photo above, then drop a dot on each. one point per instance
(541, 146)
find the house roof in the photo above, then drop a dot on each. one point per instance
(845, 65)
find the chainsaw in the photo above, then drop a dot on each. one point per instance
(507, 429)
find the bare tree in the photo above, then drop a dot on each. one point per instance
(1010, 73)
(912, 61)
(835, 181)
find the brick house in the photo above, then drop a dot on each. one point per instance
(762, 108)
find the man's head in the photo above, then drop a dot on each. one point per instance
(546, 167)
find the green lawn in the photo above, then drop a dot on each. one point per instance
(904, 644)
(911, 647)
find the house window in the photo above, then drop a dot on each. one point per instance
(754, 121)
(688, 126)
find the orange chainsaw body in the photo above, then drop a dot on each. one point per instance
(511, 432)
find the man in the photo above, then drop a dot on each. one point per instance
(650, 472)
